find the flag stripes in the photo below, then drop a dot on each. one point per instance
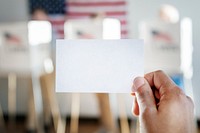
(77, 9)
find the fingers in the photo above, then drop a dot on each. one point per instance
(144, 96)
(135, 107)
(160, 81)
(190, 102)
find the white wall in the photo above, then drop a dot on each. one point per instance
(13, 10)
(145, 10)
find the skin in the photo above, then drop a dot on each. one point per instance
(162, 106)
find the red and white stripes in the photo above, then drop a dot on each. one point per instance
(110, 8)
(57, 22)
(76, 9)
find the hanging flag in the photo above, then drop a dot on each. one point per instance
(78, 9)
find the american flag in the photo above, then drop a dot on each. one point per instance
(110, 8)
(61, 10)
(56, 10)
(162, 36)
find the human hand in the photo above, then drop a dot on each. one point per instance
(161, 105)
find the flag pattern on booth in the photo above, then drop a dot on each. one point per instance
(77, 9)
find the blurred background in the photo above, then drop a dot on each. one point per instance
(28, 33)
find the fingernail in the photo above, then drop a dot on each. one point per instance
(133, 94)
(137, 83)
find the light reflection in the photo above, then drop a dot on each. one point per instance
(186, 47)
(111, 28)
(39, 32)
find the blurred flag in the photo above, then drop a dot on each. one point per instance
(56, 12)
(109, 8)
(77, 9)
(162, 36)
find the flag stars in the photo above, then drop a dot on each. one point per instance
(51, 6)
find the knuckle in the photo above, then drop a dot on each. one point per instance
(147, 111)
(143, 93)
(178, 90)
(159, 71)
(190, 101)
(182, 98)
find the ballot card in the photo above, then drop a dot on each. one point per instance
(100, 66)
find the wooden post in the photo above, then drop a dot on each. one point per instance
(106, 114)
(2, 123)
(31, 124)
(35, 121)
(75, 110)
(123, 115)
(45, 97)
(47, 83)
(12, 87)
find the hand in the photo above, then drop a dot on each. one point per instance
(161, 105)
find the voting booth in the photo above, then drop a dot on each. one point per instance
(84, 29)
(162, 46)
(166, 46)
(22, 56)
(19, 54)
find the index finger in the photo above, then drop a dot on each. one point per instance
(160, 81)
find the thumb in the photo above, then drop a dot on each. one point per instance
(144, 95)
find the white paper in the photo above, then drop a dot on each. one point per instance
(105, 66)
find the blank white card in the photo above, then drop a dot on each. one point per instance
(101, 66)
